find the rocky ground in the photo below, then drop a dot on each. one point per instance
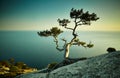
(102, 66)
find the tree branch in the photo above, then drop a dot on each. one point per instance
(68, 28)
(74, 34)
(65, 42)
(78, 21)
(89, 45)
(80, 43)
(57, 46)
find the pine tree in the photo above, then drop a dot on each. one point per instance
(80, 18)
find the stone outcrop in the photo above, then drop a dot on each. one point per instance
(102, 66)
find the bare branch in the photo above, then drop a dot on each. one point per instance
(65, 42)
(57, 46)
(68, 28)
(78, 21)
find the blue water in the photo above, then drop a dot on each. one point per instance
(37, 51)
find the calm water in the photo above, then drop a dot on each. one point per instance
(37, 51)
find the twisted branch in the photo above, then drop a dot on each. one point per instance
(68, 28)
(57, 45)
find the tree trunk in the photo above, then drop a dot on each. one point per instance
(66, 55)
(67, 48)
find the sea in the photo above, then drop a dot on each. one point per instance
(38, 52)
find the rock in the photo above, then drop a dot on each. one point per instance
(102, 66)
(67, 61)
(110, 49)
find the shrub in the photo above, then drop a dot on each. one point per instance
(14, 69)
(111, 49)
(51, 65)
(5, 63)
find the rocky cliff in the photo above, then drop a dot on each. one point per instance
(102, 66)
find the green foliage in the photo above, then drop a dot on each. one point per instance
(54, 31)
(5, 63)
(21, 65)
(51, 65)
(0, 64)
(63, 22)
(90, 45)
(12, 61)
(45, 33)
(81, 43)
(14, 69)
(84, 44)
(8, 75)
(84, 17)
(111, 49)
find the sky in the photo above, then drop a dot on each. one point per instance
(43, 14)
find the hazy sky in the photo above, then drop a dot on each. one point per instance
(42, 14)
